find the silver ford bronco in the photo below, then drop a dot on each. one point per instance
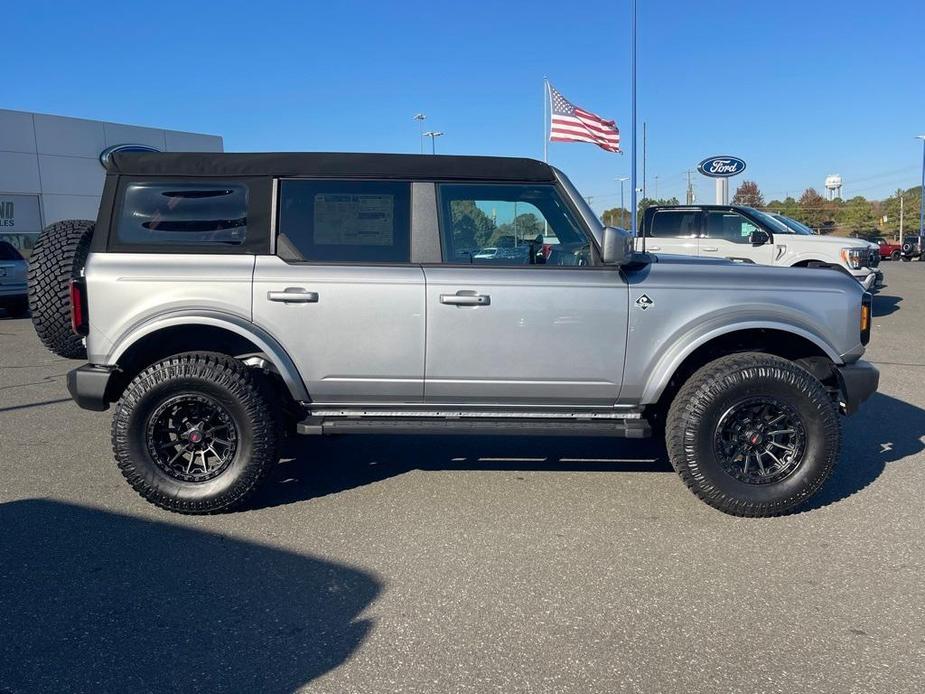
(223, 301)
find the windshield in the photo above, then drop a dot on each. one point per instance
(583, 207)
(794, 226)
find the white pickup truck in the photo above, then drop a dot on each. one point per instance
(752, 236)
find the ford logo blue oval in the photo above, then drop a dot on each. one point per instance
(721, 167)
(107, 153)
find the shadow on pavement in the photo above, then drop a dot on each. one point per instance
(883, 431)
(884, 305)
(318, 466)
(92, 601)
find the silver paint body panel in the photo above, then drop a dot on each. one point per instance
(550, 337)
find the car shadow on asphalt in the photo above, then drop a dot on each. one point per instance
(883, 431)
(102, 602)
(312, 467)
(884, 305)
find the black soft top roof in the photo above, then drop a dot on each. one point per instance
(326, 164)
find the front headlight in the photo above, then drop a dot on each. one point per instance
(854, 257)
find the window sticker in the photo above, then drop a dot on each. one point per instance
(346, 219)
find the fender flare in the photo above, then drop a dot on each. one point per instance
(669, 362)
(236, 324)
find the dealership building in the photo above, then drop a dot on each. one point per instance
(51, 169)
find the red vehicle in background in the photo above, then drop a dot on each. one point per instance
(888, 250)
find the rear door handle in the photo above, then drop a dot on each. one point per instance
(294, 295)
(465, 298)
(655, 248)
(711, 249)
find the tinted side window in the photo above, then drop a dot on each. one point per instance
(346, 221)
(499, 224)
(675, 224)
(729, 226)
(183, 214)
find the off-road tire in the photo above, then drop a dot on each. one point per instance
(244, 395)
(895, 255)
(694, 415)
(58, 256)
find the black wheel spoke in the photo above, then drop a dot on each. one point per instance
(760, 440)
(180, 437)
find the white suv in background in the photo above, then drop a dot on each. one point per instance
(751, 236)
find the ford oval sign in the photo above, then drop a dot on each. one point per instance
(109, 151)
(721, 167)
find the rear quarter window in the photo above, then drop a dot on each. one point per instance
(183, 215)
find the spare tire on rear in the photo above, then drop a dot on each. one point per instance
(58, 257)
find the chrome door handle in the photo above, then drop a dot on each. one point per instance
(467, 299)
(711, 249)
(654, 248)
(294, 295)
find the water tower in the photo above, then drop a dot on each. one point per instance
(833, 186)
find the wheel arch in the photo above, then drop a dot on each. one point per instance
(787, 341)
(210, 332)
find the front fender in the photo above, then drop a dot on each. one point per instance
(264, 341)
(698, 336)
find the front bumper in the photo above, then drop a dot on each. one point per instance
(856, 383)
(869, 279)
(88, 385)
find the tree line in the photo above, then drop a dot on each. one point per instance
(856, 216)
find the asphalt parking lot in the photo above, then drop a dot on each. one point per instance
(463, 565)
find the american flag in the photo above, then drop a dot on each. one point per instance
(571, 123)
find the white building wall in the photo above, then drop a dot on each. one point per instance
(56, 158)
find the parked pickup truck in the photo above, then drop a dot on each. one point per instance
(748, 235)
(223, 301)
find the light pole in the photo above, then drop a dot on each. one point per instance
(433, 135)
(922, 197)
(622, 180)
(420, 118)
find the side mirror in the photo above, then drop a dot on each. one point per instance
(759, 238)
(617, 248)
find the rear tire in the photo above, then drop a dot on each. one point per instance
(895, 255)
(196, 433)
(753, 434)
(59, 255)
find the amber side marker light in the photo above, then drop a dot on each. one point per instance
(866, 304)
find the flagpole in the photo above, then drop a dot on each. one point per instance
(545, 118)
(633, 174)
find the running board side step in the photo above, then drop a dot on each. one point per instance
(505, 426)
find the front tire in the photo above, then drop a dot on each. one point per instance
(895, 255)
(195, 433)
(753, 434)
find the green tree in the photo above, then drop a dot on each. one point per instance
(910, 211)
(812, 210)
(748, 194)
(524, 226)
(857, 217)
(472, 228)
(615, 216)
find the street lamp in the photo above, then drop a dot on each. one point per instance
(420, 118)
(622, 180)
(433, 135)
(922, 197)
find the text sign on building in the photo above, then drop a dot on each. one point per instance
(721, 167)
(19, 214)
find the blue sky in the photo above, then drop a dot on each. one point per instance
(797, 89)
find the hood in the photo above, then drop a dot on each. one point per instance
(833, 241)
